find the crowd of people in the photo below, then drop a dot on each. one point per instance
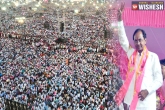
(43, 74)
(38, 76)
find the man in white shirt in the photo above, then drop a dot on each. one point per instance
(152, 78)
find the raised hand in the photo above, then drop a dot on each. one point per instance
(120, 11)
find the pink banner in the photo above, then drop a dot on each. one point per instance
(144, 18)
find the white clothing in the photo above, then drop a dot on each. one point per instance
(152, 79)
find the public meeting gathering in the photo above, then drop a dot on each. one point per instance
(82, 55)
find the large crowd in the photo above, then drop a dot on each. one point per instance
(46, 75)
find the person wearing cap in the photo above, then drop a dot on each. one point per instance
(144, 75)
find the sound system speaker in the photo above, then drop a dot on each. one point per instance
(61, 26)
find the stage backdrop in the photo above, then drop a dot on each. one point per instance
(144, 18)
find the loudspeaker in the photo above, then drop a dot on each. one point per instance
(10, 36)
(46, 25)
(61, 26)
(30, 8)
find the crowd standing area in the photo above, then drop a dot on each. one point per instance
(48, 69)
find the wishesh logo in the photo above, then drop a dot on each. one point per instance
(134, 6)
(148, 5)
